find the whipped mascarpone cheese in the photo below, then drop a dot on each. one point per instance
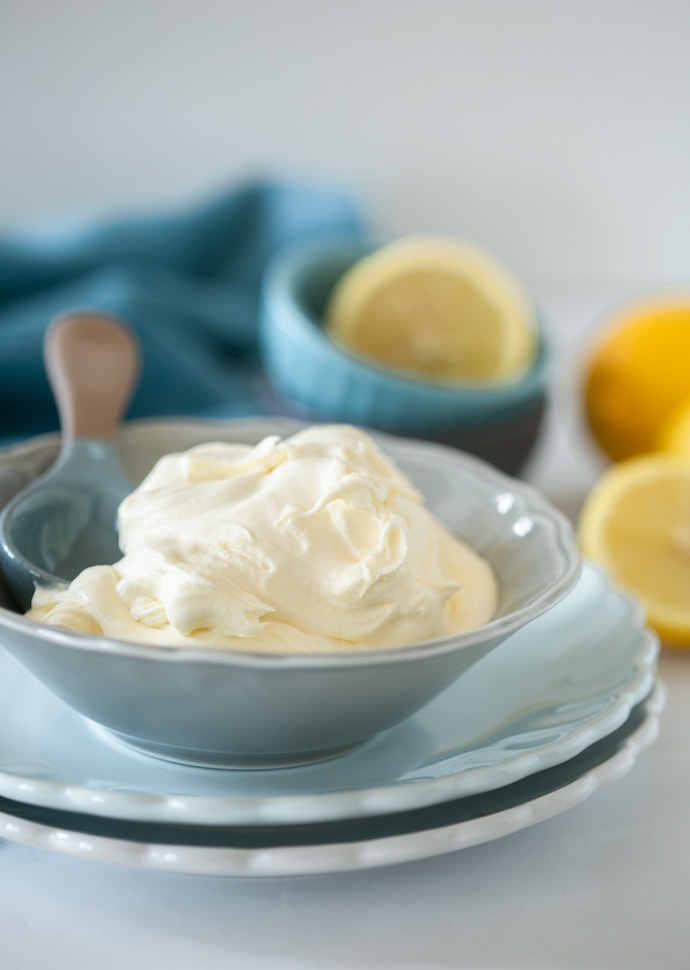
(317, 542)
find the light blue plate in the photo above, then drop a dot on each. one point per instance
(291, 850)
(552, 690)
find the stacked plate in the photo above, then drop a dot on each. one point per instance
(573, 700)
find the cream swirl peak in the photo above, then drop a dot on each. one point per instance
(317, 542)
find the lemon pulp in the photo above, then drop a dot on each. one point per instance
(435, 307)
(636, 524)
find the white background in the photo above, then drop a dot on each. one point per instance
(556, 132)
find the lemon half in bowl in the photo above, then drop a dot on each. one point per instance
(314, 377)
(437, 308)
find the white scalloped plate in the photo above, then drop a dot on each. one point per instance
(560, 684)
(340, 846)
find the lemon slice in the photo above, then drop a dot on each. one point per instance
(436, 308)
(636, 523)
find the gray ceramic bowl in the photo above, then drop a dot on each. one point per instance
(228, 708)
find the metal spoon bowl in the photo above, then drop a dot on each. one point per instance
(66, 519)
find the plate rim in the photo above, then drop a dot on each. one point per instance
(335, 857)
(366, 801)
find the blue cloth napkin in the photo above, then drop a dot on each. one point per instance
(187, 282)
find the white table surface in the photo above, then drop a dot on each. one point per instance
(603, 885)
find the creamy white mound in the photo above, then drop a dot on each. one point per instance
(313, 543)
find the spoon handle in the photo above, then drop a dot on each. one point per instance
(92, 361)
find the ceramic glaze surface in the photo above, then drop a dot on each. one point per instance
(559, 685)
(342, 846)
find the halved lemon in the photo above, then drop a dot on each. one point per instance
(437, 308)
(636, 524)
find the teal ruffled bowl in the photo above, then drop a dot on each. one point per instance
(313, 378)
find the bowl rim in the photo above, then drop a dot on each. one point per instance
(496, 629)
(289, 315)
